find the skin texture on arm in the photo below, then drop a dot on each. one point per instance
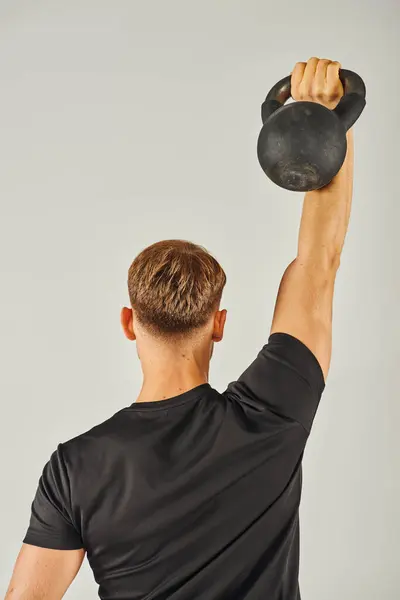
(43, 574)
(305, 298)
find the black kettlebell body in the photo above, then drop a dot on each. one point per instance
(302, 145)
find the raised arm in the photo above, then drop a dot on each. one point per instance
(305, 298)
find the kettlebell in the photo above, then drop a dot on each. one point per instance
(302, 145)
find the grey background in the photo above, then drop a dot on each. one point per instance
(126, 122)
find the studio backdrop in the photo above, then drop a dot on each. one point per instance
(123, 123)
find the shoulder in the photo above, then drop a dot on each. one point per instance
(98, 440)
(284, 380)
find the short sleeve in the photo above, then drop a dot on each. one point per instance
(285, 379)
(51, 524)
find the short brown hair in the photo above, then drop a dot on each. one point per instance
(174, 286)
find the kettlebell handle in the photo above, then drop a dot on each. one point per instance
(348, 110)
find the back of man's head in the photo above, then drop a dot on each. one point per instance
(174, 287)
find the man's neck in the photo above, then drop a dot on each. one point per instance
(171, 379)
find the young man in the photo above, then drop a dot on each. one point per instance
(189, 493)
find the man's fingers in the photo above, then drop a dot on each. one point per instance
(297, 76)
(320, 78)
(322, 69)
(332, 74)
(308, 78)
(317, 81)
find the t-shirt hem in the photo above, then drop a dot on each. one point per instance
(51, 544)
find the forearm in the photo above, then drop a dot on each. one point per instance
(326, 215)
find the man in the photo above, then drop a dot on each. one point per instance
(189, 493)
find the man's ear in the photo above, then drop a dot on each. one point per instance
(219, 325)
(127, 323)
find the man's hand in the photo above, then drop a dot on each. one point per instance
(43, 574)
(317, 81)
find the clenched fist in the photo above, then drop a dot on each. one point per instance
(317, 81)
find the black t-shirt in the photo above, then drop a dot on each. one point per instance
(193, 497)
